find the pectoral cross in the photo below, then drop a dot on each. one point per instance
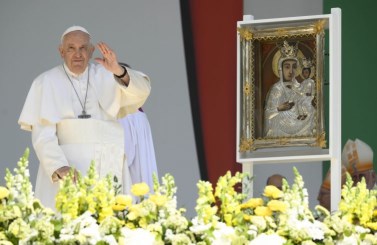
(84, 115)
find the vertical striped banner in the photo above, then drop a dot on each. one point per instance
(210, 35)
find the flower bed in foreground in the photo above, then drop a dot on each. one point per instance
(92, 212)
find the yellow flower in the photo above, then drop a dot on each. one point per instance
(4, 192)
(19, 228)
(159, 200)
(118, 207)
(124, 200)
(131, 226)
(372, 225)
(263, 211)
(132, 215)
(6, 243)
(16, 211)
(3, 239)
(105, 212)
(92, 205)
(252, 203)
(246, 217)
(272, 191)
(143, 222)
(228, 219)
(276, 205)
(136, 211)
(208, 212)
(140, 189)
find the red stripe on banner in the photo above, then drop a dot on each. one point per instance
(214, 34)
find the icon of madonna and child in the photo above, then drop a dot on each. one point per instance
(290, 104)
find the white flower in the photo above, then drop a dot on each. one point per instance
(361, 230)
(155, 227)
(172, 238)
(176, 221)
(84, 229)
(259, 222)
(313, 230)
(308, 243)
(369, 239)
(133, 237)
(223, 234)
(91, 231)
(253, 231)
(110, 239)
(199, 227)
(264, 239)
(348, 240)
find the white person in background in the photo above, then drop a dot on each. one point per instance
(357, 160)
(139, 147)
(72, 111)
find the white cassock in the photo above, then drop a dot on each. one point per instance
(60, 138)
(139, 148)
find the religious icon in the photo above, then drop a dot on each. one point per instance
(281, 85)
(288, 109)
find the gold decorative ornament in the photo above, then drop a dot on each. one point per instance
(245, 33)
(246, 145)
(281, 32)
(246, 88)
(288, 51)
(321, 140)
(307, 63)
(319, 26)
(284, 141)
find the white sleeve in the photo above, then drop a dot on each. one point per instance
(135, 94)
(119, 100)
(46, 146)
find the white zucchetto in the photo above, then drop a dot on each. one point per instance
(74, 28)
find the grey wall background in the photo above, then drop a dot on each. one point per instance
(146, 34)
(312, 171)
(267, 9)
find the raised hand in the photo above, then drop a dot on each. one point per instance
(109, 59)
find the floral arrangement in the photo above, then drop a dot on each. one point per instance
(92, 211)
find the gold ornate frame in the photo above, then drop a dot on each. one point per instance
(257, 44)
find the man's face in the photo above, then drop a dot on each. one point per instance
(76, 51)
(289, 69)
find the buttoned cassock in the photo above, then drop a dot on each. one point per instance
(61, 139)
